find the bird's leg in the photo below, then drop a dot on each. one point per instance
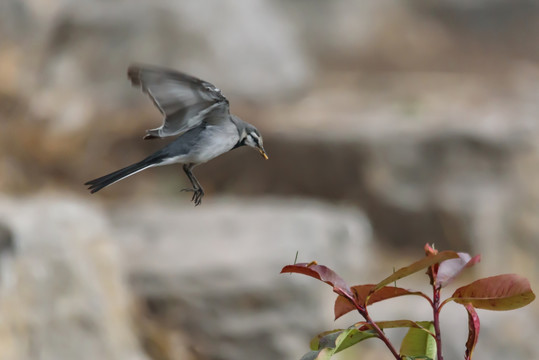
(197, 190)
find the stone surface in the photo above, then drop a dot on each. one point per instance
(421, 114)
(213, 271)
(62, 290)
(77, 53)
(423, 170)
(209, 277)
(206, 281)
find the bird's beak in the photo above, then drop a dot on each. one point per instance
(263, 152)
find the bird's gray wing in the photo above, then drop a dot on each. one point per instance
(185, 101)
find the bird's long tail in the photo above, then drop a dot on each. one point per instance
(97, 184)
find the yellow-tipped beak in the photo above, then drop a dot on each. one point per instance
(263, 153)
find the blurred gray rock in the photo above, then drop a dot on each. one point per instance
(375, 34)
(460, 172)
(209, 277)
(69, 58)
(417, 34)
(206, 281)
(7, 243)
(213, 271)
(62, 292)
(77, 52)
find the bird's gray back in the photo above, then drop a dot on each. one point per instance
(185, 142)
(214, 141)
(202, 143)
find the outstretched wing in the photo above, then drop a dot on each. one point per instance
(184, 100)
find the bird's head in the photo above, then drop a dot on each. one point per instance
(252, 138)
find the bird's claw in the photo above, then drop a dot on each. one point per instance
(198, 194)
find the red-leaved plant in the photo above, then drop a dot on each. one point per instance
(423, 339)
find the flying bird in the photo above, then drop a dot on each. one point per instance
(195, 111)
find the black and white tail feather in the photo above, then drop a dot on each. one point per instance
(109, 179)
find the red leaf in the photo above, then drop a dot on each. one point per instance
(361, 292)
(391, 324)
(432, 270)
(429, 250)
(473, 331)
(415, 267)
(449, 269)
(322, 273)
(502, 292)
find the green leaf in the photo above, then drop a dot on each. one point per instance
(351, 337)
(391, 324)
(415, 267)
(418, 344)
(324, 354)
(334, 341)
(502, 292)
(325, 339)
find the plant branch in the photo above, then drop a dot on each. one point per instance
(436, 312)
(380, 333)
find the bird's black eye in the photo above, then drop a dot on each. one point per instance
(255, 137)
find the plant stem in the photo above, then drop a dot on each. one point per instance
(380, 333)
(436, 312)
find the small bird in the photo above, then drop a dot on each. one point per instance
(195, 110)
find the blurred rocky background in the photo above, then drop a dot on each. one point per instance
(388, 124)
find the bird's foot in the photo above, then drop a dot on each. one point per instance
(198, 194)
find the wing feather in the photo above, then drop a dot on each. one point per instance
(185, 101)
